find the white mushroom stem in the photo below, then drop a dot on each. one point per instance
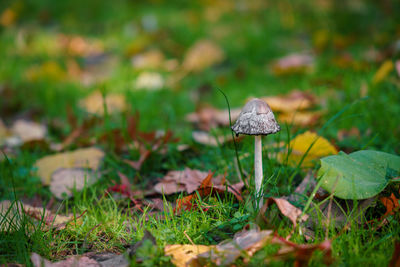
(258, 169)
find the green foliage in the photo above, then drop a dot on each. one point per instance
(359, 175)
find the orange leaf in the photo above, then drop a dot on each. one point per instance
(391, 203)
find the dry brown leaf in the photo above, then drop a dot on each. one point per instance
(76, 261)
(287, 209)
(183, 254)
(64, 181)
(89, 158)
(293, 63)
(207, 139)
(94, 103)
(203, 54)
(353, 132)
(187, 180)
(149, 81)
(247, 242)
(28, 130)
(11, 216)
(76, 45)
(308, 145)
(300, 118)
(292, 102)
(208, 117)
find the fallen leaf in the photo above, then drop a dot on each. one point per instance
(206, 187)
(207, 139)
(76, 45)
(202, 55)
(183, 254)
(391, 203)
(64, 181)
(383, 71)
(247, 242)
(90, 158)
(292, 102)
(11, 216)
(308, 145)
(352, 132)
(149, 81)
(8, 17)
(95, 102)
(187, 180)
(76, 261)
(293, 63)
(28, 130)
(153, 59)
(301, 118)
(208, 117)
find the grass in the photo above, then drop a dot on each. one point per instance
(252, 37)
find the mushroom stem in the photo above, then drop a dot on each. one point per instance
(258, 169)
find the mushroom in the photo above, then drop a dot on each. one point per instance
(256, 119)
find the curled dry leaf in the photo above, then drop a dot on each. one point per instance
(149, 81)
(89, 158)
(293, 63)
(307, 146)
(64, 181)
(203, 54)
(287, 209)
(95, 102)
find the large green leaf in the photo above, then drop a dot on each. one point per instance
(359, 175)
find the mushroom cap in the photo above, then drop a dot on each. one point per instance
(256, 118)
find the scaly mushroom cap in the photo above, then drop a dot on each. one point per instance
(256, 118)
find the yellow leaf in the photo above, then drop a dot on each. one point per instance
(300, 146)
(383, 71)
(182, 254)
(94, 103)
(81, 158)
(8, 17)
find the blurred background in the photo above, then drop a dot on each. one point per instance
(166, 60)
